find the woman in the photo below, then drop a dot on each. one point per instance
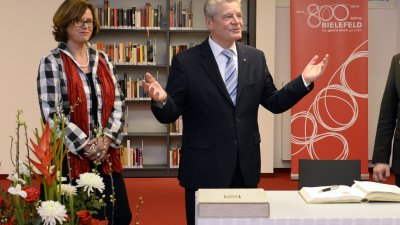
(79, 82)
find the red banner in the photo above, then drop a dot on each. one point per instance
(332, 121)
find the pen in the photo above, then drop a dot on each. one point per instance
(331, 188)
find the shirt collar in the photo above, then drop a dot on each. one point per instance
(217, 49)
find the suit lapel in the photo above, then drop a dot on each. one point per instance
(242, 64)
(211, 67)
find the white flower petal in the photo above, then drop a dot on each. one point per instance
(51, 212)
(68, 190)
(17, 191)
(15, 178)
(60, 178)
(89, 182)
(12, 177)
(24, 169)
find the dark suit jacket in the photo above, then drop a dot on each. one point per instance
(388, 118)
(216, 133)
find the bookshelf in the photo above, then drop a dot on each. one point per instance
(147, 47)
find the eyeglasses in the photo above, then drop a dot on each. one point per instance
(80, 23)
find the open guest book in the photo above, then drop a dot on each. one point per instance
(360, 191)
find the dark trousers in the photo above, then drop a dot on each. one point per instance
(237, 182)
(122, 214)
(397, 180)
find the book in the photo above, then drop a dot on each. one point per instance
(232, 203)
(360, 191)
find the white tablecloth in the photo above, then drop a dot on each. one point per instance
(288, 208)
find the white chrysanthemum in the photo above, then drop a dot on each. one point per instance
(68, 190)
(17, 190)
(90, 181)
(51, 212)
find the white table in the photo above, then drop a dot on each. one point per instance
(288, 208)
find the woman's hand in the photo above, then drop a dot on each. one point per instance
(97, 148)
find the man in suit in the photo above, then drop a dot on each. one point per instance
(388, 129)
(221, 139)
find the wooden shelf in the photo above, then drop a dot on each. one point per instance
(122, 66)
(145, 130)
(141, 29)
(156, 170)
(138, 100)
(145, 134)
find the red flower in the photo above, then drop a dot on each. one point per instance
(99, 222)
(32, 194)
(84, 217)
(95, 222)
(45, 153)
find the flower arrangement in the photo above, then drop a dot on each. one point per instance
(56, 201)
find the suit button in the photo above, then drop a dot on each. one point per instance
(235, 142)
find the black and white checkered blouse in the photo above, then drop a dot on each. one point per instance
(53, 98)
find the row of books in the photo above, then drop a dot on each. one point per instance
(133, 89)
(181, 17)
(175, 49)
(129, 53)
(136, 54)
(174, 153)
(132, 18)
(176, 127)
(131, 157)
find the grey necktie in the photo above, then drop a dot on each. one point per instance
(231, 76)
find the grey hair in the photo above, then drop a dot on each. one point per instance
(210, 6)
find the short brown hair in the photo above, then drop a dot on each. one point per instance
(71, 10)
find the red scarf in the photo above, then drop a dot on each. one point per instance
(80, 116)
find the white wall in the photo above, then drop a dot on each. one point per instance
(266, 42)
(25, 37)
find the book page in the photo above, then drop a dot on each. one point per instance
(378, 191)
(340, 194)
